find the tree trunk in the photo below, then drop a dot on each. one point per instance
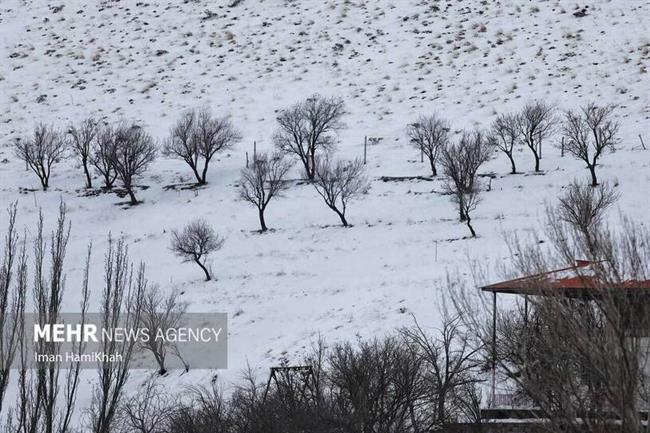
(536, 162)
(342, 217)
(434, 172)
(205, 270)
(512, 164)
(469, 225)
(262, 222)
(594, 179)
(134, 201)
(89, 181)
(311, 170)
(204, 175)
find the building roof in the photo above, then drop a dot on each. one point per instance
(578, 280)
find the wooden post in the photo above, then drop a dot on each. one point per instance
(562, 151)
(494, 346)
(254, 150)
(365, 149)
(421, 154)
(246, 159)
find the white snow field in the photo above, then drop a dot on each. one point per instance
(390, 60)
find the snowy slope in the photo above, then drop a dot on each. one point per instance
(390, 61)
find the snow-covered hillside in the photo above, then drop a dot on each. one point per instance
(390, 60)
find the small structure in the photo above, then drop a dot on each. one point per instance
(578, 281)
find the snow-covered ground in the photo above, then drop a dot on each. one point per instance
(390, 60)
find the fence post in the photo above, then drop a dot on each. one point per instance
(365, 149)
(246, 159)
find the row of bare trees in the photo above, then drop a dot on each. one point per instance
(587, 133)
(415, 380)
(47, 392)
(125, 151)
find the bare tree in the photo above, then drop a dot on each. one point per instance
(103, 149)
(13, 288)
(81, 139)
(429, 134)
(306, 129)
(121, 307)
(195, 242)
(450, 364)
(536, 123)
(339, 182)
(148, 411)
(583, 206)
(504, 136)
(45, 403)
(263, 181)
(41, 152)
(133, 152)
(160, 313)
(590, 133)
(199, 136)
(461, 162)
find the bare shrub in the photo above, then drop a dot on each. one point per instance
(429, 134)
(504, 136)
(306, 129)
(81, 139)
(121, 307)
(103, 149)
(339, 182)
(590, 133)
(263, 181)
(205, 412)
(198, 136)
(374, 385)
(41, 152)
(160, 313)
(195, 242)
(461, 162)
(133, 151)
(148, 411)
(536, 123)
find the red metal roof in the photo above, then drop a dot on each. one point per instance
(570, 281)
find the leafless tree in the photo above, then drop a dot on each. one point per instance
(13, 289)
(461, 162)
(374, 386)
(160, 313)
(148, 411)
(429, 134)
(263, 181)
(81, 139)
(504, 136)
(41, 152)
(583, 207)
(590, 133)
(103, 149)
(134, 150)
(195, 242)
(536, 122)
(339, 182)
(306, 129)
(449, 364)
(199, 136)
(121, 307)
(45, 403)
